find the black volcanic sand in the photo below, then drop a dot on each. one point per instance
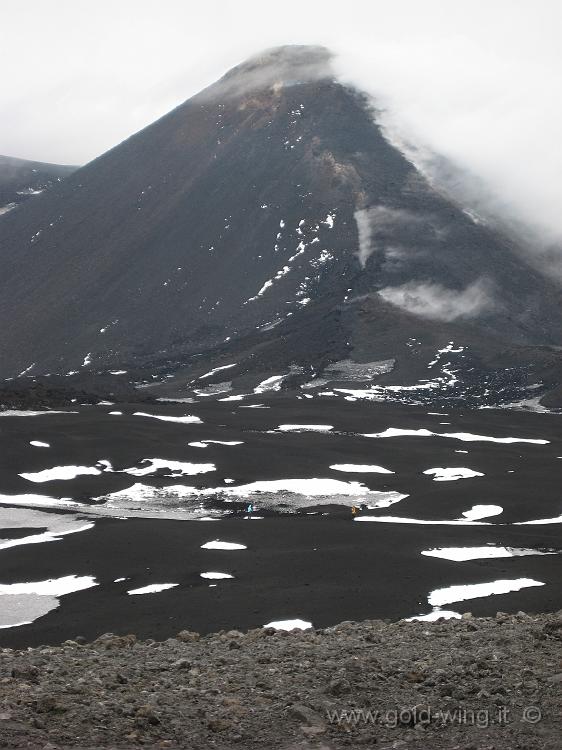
(321, 568)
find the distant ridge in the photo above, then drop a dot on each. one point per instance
(20, 179)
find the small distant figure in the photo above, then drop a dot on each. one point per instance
(354, 510)
(250, 508)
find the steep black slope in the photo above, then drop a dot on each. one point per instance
(21, 179)
(267, 220)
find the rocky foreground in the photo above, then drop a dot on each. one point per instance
(490, 683)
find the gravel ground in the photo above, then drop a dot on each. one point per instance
(489, 683)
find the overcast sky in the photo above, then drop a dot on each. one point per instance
(478, 81)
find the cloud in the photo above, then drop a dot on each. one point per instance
(436, 302)
(275, 67)
(475, 110)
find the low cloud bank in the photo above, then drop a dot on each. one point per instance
(436, 302)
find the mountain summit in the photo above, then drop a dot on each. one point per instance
(267, 222)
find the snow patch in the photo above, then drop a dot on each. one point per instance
(153, 588)
(436, 614)
(461, 593)
(295, 624)
(187, 419)
(36, 500)
(462, 554)
(270, 384)
(216, 369)
(217, 544)
(451, 475)
(50, 587)
(463, 436)
(482, 511)
(305, 427)
(27, 413)
(60, 473)
(361, 468)
(175, 468)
